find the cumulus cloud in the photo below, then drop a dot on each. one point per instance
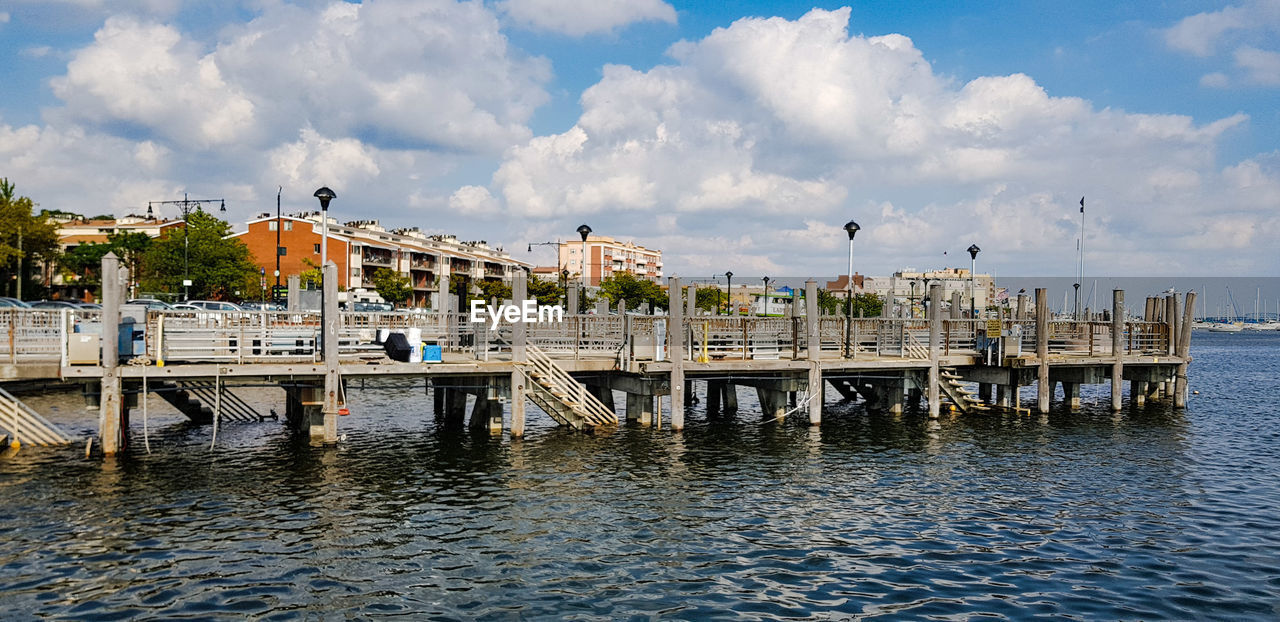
(398, 74)
(582, 17)
(1244, 27)
(769, 123)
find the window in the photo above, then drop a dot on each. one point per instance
(272, 226)
(282, 251)
(317, 248)
(288, 225)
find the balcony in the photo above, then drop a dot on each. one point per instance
(376, 258)
(494, 270)
(419, 261)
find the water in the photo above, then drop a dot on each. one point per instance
(1149, 514)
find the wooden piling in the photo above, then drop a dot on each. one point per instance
(1043, 393)
(1184, 351)
(1117, 348)
(332, 381)
(111, 405)
(813, 351)
(675, 352)
(519, 354)
(935, 348)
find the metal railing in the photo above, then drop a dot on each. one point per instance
(40, 335)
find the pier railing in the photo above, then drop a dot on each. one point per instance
(39, 335)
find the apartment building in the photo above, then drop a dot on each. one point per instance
(359, 248)
(606, 256)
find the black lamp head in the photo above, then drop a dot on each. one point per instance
(728, 274)
(325, 195)
(852, 228)
(973, 251)
(584, 231)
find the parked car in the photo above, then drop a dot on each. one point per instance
(152, 304)
(55, 304)
(215, 305)
(186, 307)
(89, 306)
(7, 302)
(372, 306)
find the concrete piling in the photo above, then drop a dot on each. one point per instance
(675, 352)
(1043, 392)
(1117, 348)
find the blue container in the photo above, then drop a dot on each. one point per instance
(431, 354)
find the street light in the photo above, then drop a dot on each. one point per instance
(584, 231)
(973, 261)
(728, 277)
(279, 225)
(325, 195)
(912, 299)
(764, 298)
(852, 229)
(186, 205)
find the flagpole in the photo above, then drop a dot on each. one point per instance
(1080, 272)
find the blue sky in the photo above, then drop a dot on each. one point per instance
(731, 135)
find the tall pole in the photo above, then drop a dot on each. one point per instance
(279, 225)
(728, 303)
(324, 194)
(1080, 269)
(973, 263)
(584, 231)
(851, 228)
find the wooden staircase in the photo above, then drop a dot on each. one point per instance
(949, 383)
(556, 392)
(196, 400)
(27, 426)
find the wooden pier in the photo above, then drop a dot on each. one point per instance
(570, 369)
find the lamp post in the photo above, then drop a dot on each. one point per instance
(973, 262)
(584, 231)
(911, 300)
(186, 205)
(325, 195)
(728, 304)
(279, 226)
(852, 229)
(764, 298)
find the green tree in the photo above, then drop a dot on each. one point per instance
(490, 290)
(864, 305)
(635, 291)
(26, 240)
(391, 285)
(828, 303)
(709, 299)
(84, 263)
(218, 266)
(546, 292)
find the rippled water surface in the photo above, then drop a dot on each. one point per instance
(1147, 514)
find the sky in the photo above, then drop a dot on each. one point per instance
(733, 136)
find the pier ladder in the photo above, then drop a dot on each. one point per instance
(556, 392)
(27, 426)
(949, 383)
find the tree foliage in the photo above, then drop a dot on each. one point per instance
(218, 266)
(635, 291)
(710, 299)
(392, 286)
(26, 238)
(864, 305)
(546, 292)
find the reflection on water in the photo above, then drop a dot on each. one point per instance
(1151, 514)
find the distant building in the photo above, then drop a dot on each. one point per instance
(359, 248)
(908, 287)
(74, 232)
(607, 256)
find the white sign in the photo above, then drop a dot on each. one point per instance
(528, 313)
(186, 282)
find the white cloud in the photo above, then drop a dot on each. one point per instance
(434, 75)
(473, 200)
(4, 17)
(582, 17)
(1198, 34)
(1261, 66)
(1216, 80)
(770, 123)
(145, 75)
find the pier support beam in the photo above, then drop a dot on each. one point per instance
(1138, 392)
(813, 351)
(111, 433)
(1117, 348)
(676, 334)
(640, 409)
(1043, 391)
(1071, 394)
(328, 433)
(1184, 352)
(518, 404)
(715, 390)
(935, 347)
(773, 404)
